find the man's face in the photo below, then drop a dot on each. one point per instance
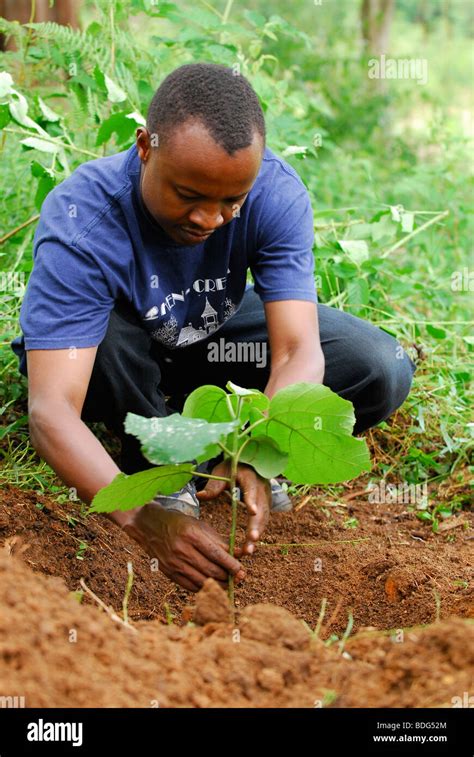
(191, 184)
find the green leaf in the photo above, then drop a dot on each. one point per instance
(265, 456)
(38, 170)
(115, 93)
(99, 78)
(4, 115)
(356, 249)
(45, 185)
(255, 415)
(126, 492)
(436, 332)
(424, 515)
(444, 511)
(176, 439)
(396, 211)
(358, 292)
(241, 392)
(80, 92)
(255, 48)
(294, 150)
(18, 106)
(408, 220)
(209, 403)
(94, 29)
(19, 111)
(117, 123)
(268, 33)
(6, 84)
(385, 227)
(136, 118)
(36, 143)
(212, 403)
(335, 413)
(145, 91)
(163, 9)
(313, 424)
(252, 398)
(48, 114)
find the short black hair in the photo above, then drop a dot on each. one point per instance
(222, 99)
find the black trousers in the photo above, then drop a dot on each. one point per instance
(134, 373)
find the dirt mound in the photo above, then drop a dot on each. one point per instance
(58, 653)
(212, 605)
(274, 626)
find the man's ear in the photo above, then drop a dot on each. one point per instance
(143, 143)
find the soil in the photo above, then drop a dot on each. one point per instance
(407, 592)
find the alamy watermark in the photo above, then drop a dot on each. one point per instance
(237, 352)
(462, 281)
(399, 68)
(465, 701)
(12, 702)
(402, 493)
(45, 731)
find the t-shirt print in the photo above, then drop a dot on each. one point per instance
(169, 332)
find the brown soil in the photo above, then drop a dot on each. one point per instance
(390, 572)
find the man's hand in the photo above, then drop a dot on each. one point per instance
(188, 551)
(257, 496)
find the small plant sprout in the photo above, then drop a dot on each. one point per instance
(109, 610)
(128, 589)
(78, 596)
(351, 523)
(317, 630)
(346, 635)
(81, 550)
(169, 615)
(275, 437)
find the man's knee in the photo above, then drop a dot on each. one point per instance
(391, 374)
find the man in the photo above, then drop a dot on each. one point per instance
(140, 271)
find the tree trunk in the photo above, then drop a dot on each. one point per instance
(447, 18)
(376, 21)
(423, 18)
(63, 12)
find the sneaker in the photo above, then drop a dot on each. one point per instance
(281, 503)
(183, 501)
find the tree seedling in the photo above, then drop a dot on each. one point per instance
(303, 433)
(81, 550)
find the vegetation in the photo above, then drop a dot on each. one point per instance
(386, 167)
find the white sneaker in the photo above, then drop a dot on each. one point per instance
(183, 501)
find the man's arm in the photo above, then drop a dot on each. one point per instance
(57, 386)
(188, 551)
(293, 333)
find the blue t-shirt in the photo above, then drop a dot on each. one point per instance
(96, 243)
